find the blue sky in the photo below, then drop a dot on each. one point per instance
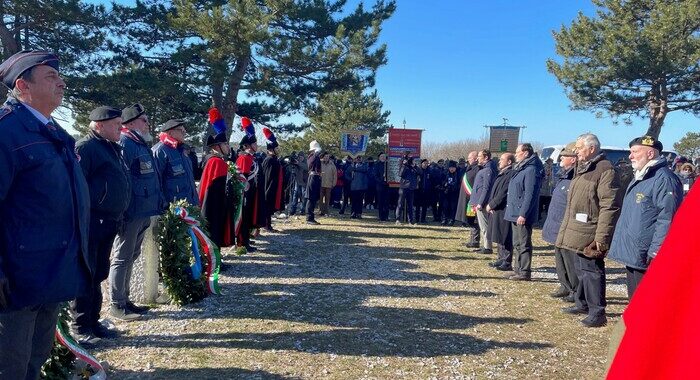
(455, 66)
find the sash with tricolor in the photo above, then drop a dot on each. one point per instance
(67, 341)
(467, 188)
(211, 252)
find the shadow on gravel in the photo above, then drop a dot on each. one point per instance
(201, 374)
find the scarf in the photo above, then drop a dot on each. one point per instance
(639, 174)
(167, 140)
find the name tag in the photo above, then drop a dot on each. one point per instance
(583, 218)
(686, 187)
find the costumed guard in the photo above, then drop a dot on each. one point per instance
(274, 178)
(249, 168)
(217, 205)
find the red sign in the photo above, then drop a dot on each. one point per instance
(401, 141)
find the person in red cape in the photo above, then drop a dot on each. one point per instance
(273, 179)
(249, 168)
(217, 207)
(662, 333)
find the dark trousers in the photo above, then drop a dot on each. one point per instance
(26, 338)
(313, 191)
(356, 199)
(634, 277)
(450, 209)
(405, 203)
(590, 292)
(522, 248)
(565, 262)
(346, 198)
(370, 195)
(442, 202)
(422, 201)
(505, 253)
(85, 310)
(383, 201)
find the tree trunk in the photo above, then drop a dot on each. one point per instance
(230, 100)
(658, 107)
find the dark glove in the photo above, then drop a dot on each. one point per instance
(4, 292)
(595, 251)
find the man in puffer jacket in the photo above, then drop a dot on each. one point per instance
(650, 202)
(586, 231)
(522, 207)
(565, 263)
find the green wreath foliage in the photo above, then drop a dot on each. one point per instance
(61, 362)
(175, 248)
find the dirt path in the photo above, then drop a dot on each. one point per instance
(360, 299)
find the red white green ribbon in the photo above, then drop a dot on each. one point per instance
(211, 250)
(467, 188)
(67, 341)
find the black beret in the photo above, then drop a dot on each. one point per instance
(272, 145)
(105, 113)
(220, 138)
(20, 62)
(170, 124)
(647, 141)
(131, 112)
(247, 140)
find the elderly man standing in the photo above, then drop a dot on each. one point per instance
(564, 262)
(650, 202)
(174, 166)
(500, 230)
(586, 231)
(44, 214)
(522, 207)
(480, 194)
(110, 192)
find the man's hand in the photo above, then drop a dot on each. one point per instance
(478, 207)
(4, 292)
(521, 221)
(488, 208)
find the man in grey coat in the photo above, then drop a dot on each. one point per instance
(480, 194)
(650, 202)
(522, 207)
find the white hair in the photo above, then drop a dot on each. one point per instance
(590, 140)
(93, 125)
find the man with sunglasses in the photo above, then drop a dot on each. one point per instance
(146, 201)
(173, 165)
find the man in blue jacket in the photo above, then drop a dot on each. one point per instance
(650, 202)
(523, 206)
(480, 195)
(173, 165)
(44, 214)
(146, 201)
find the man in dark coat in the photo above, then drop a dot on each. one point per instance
(649, 204)
(108, 179)
(407, 188)
(465, 211)
(522, 207)
(479, 197)
(424, 193)
(564, 261)
(274, 176)
(217, 204)
(380, 181)
(500, 230)
(451, 192)
(313, 187)
(44, 214)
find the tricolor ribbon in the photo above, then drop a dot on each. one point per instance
(211, 252)
(67, 341)
(467, 188)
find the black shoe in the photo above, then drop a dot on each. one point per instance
(122, 313)
(505, 268)
(595, 322)
(312, 222)
(471, 245)
(87, 339)
(569, 298)
(250, 248)
(103, 332)
(452, 223)
(574, 310)
(137, 309)
(559, 293)
(486, 251)
(496, 264)
(443, 223)
(341, 212)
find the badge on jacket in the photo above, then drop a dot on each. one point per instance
(639, 197)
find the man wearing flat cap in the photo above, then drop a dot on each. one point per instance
(146, 201)
(108, 180)
(650, 201)
(44, 214)
(173, 164)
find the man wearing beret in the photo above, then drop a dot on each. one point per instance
(108, 179)
(173, 165)
(44, 214)
(650, 202)
(146, 201)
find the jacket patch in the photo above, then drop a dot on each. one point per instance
(639, 197)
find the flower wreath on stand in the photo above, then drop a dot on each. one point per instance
(236, 184)
(189, 260)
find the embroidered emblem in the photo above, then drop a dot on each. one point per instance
(640, 197)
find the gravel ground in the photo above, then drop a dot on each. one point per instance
(369, 300)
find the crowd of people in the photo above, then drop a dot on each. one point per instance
(75, 214)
